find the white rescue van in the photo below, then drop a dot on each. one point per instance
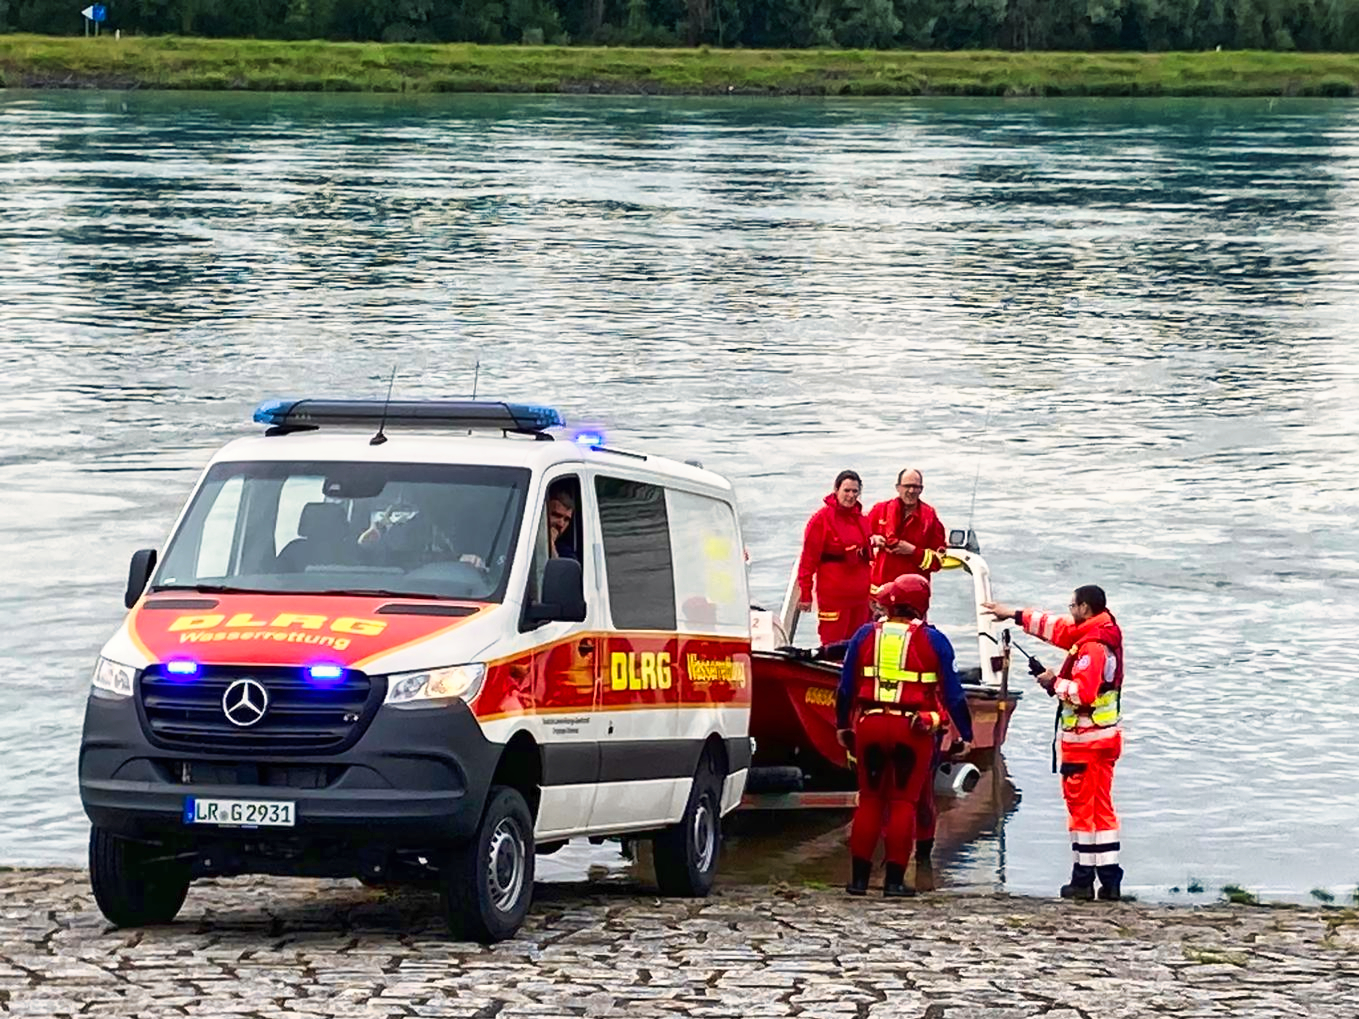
(418, 641)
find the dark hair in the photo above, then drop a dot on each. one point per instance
(908, 470)
(1092, 596)
(903, 611)
(560, 491)
(844, 476)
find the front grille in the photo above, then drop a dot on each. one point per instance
(292, 776)
(302, 716)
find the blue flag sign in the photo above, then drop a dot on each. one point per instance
(96, 13)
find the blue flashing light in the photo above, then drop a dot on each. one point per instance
(592, 440)
(273, 412)
(182, 668)
(534, 418)
(325, 673)
(289, 414)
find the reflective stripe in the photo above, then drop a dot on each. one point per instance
(1107, 836)
(1066, 688)
(1104, 713)
(1090, 735)
(1106, 858)
(828, 617)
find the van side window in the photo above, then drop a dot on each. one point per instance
(635, 532)
(710, 578)
(559, 530)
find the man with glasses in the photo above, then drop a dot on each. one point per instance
(907, 535)
(1089, 689)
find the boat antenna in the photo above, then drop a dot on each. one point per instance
(476, 374)
(379, 438)
(977, 477)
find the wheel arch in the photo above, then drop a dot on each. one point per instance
(521, 768)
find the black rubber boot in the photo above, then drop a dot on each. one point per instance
(858, 880)
(1082, 886)
(894, 885)
(924, 865)
(1110, 882)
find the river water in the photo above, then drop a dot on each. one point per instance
(1130, 324)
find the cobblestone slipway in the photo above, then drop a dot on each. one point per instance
(284, 949)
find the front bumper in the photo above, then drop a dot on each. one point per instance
(415, 780)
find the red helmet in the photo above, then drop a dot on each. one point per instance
(910, 589)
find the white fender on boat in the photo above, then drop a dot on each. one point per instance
(955, 779)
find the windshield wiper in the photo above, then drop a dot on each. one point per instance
(376, 592)
(208, 589)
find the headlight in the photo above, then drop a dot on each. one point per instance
(435, 687)
(111, 679)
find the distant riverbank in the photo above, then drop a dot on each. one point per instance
(28, 61)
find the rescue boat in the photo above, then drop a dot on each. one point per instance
(797, 761)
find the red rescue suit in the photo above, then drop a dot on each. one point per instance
(1089, 686)
(835, 555)
(919, 527)
(898, 711)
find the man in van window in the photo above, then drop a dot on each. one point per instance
(561, 510)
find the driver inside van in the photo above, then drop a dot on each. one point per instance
(404, 531)
(561, 510)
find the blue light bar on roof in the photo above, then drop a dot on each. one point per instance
(296, 415)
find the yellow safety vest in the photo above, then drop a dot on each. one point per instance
(888, 671)
(1103, 714)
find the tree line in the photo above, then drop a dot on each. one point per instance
(1148, 25)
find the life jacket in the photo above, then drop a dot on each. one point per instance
(1107, 709)
(900, 673)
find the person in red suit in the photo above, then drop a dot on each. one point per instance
(896, 683)
(835, 562)
(1089, 691)
(907, 536)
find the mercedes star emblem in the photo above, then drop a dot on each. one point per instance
(245, 702)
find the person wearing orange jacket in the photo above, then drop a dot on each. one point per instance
(835, 560)
(907, 536)
(896, 683)
(1089, 688)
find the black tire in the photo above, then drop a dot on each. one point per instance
(686, 853)
(487, 885)
(133, 884)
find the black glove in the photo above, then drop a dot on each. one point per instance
(1035, 667)
(797, 654)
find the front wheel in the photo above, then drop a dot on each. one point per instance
(686, 853)
(488, 883)
(133, 883)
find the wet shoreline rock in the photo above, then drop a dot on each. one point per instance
(271, 948)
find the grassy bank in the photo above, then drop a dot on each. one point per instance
(28, 61)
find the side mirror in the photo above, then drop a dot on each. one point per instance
(563, 597)
(138, 573)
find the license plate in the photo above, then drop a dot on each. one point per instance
(240, 813)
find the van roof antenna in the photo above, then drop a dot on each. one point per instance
(379, 438)
(476, 374)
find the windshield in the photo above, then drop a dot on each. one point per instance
(423, 530)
